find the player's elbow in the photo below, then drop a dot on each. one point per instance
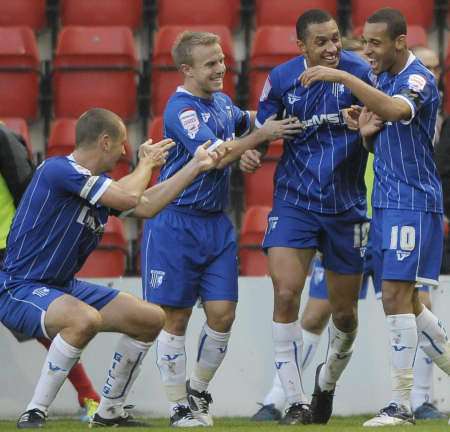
(127, 202)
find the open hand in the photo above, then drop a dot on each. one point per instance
(286, 128)
(155, 154)
(369, 123)
(206, 159)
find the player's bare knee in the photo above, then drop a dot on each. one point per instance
(158, 320)
(287, 298)
(313, 323)
(346, 320)
(87, 324)
(222, 323)
(176, 322)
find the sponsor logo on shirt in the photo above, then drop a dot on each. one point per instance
(401, 255)
(206, 116)
(190, 122)
(317, 120)
(41, 292)
(156, 278)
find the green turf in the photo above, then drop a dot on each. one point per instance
(337, 424)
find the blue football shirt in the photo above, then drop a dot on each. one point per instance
(321, 169)
(405, 173)
(190, 121)
(57, 224)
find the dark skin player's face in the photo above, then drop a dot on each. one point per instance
(322, 45)
(380, 49)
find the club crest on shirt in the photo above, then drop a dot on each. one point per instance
(337, 89)
(206, 116)
(292, 98)
(190, 122)
(416, 82)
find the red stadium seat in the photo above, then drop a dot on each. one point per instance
(19, 126)
(258, 187)
(110, 257)
(272, 45)
(252, 260)
(95, 66)
(198, 12)
(286, 12)
(155, 129)
(417, 36)
(416, 12)
(101, 13)
(19, 73)
(165, 77)
(275, 150)
(22, 13)
(62, 142)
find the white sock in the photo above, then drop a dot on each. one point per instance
(171, 361)
(60, 359)
(310, 343)
(275, 395)
(287, 342)
(423, 378)
(403, 339)
(340, 349)
(212, 347)
(125, 367)
(433, 339)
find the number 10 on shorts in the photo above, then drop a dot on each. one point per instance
(406, 235)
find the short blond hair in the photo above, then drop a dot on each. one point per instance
(186, 41)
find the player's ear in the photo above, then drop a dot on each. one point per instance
(301, 46)
(105, 142)
(186, 70)
(400, 42)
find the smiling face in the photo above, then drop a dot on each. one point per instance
(322, 45)
(380, 49)
(205, 75)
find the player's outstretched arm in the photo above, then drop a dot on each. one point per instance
(159, 196)
(271, 130)
(387, 107)
(125, 193)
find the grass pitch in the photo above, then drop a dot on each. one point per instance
(337, 424)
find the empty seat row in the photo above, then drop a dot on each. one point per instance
(32, 13)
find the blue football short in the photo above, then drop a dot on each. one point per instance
(187, 256)
(340, 237)
(406, 246)
(23, 304)
(318, 285)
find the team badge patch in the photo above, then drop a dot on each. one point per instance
(190, 122)
(416, 82)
